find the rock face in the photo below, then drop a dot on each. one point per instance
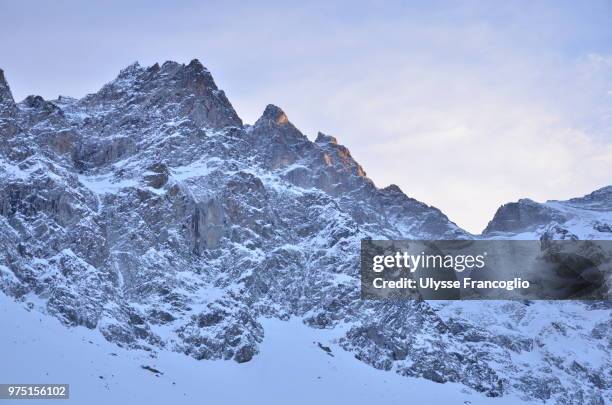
(148, 211)
(8, 110)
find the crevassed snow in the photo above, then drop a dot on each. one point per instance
(291, 369)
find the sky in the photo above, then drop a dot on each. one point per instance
(466, 105)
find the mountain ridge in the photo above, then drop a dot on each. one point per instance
(150, 212)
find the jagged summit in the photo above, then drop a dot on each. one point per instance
(274, 114)
(34, 101)
(170, 90)
(5, 90)
(192, 74)
(130, 70)
(64, 100)
(601, 193)
(40, 105)
(393, 188)
(7, 103)
(323, 138)
(197, 65)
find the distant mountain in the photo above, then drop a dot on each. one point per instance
(587, 217)
(150, 212)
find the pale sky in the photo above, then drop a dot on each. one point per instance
(465, 105)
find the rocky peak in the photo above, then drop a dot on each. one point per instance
(130, 70)
(7, 103)
(197, 66)
(393, 189)
(323, 138)
(604, 193)
(523, 215)
(600, 199)
(33, 101)
(153, 68)
(62, 101)
(39, 106)
(175, 89)
(195, 75)
(275, 124)
(277, 139)
(273, 115)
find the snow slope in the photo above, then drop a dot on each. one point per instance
(291, 369)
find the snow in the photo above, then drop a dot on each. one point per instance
(106, 184)
(291, 369)
(5, 272)
(538, 319)
(18, 173)
(199, 168)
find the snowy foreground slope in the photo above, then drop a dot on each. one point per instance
(150, 220)
(291, 369)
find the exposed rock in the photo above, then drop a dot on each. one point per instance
(158, 176)
(522, 215)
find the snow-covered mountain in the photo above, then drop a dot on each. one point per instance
(149, 212)
(586, 217)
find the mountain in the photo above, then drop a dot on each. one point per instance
(150, 213)
(586, 217)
